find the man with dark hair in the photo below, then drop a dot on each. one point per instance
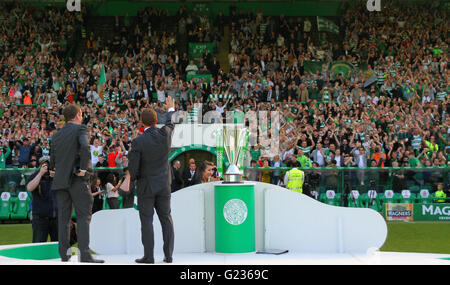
(25, 150)
(149, 165)
(70, 158)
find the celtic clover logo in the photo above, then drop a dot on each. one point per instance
(235, 212)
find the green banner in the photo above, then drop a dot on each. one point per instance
(342, 67)
(198, 76)
(196, 50)
(432, 212)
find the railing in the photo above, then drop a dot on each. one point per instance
(339, 179)
(347, 187)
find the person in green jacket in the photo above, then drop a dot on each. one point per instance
(303, 159)
(5, 151)
(439, 195)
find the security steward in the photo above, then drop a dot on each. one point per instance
(294, 179)
(44, 220)
(439, 195)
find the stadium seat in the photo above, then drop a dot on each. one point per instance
(388, 197)
(407, 197)
(5, 206)
(424, 197)
(21, 207)
(354, 199)
(370, 200)
(330, 197)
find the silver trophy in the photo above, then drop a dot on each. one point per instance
(234, 141)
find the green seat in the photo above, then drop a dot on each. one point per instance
(5, 206)
(73, 214)
(354, 199)
(414, 189)
(120, 202)
(424, 197)
(370, 200)
(330, 197)
(21, 207)
(388, 197)
(407, 197)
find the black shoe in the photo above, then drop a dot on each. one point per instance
(93, 260)
(145, 260)
(168, 259)
(66, 259)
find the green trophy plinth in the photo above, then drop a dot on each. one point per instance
(234, 217)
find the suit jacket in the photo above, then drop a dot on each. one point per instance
(188, 179)
(69, 150)
(177, 181)
(265, 97)
(148, 159)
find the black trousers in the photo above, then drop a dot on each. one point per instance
(43, 227)
(78, 195)
(146, 206)
(113, 203)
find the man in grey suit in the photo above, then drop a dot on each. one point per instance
(149, 165)
(70, 158)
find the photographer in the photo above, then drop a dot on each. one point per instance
(44, 216)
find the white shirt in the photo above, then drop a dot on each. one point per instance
(320, 159)
(220, 110)
(110, 193)
(95, 151)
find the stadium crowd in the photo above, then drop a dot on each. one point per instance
(393, 113)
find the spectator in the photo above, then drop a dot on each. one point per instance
(97, 193)
(205, 172)
(112, 193)
(115, 156)
(189, 173)
(177, 181)
(25, 148)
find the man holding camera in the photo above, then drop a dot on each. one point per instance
(45, 215)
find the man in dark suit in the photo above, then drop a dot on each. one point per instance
(177, 181)
(189, 173)
(149, 166)
(70, 158)
(267, 94)
(214, 66)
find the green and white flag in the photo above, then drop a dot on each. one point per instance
(218, 96)
(325, 25)
(219, 151)
(101, 82)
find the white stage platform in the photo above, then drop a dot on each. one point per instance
(291, 258)
(313, 232)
